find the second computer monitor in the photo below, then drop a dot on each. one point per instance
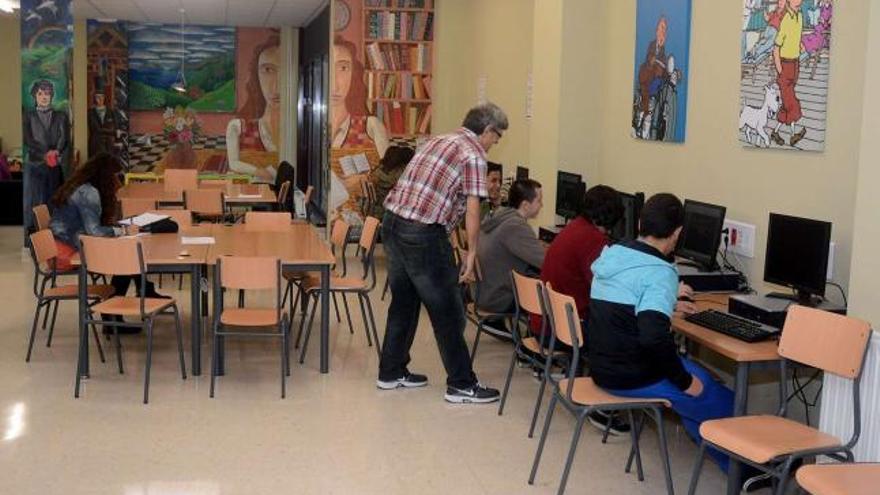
(627, 228)
(701, 234)
(797, 254)
(570, 190)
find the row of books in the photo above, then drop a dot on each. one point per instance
(398, 86)
(415, 58)
(404, 4)
(400, 118)
(408, 26)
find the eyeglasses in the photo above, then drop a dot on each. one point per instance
(497, 132)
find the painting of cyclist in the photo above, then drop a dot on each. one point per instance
(653, 69)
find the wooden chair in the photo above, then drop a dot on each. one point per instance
(840, 479)
(360, 286)
(580, 395)
(177, 180)
(124, 256)
(474, 313)
(529, 301)
(283, 193)
(135, 206)
(44, 254)
(207, 204)
(833, 343)
(42, 217)
(267, 221)
(338, 237)
(249, 273)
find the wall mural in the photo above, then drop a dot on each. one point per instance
(227, 120)
(47, 88)
(785, 61)
(663, 32)
(108, 89)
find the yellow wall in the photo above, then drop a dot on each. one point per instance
(10, 82)
(491, 38)
(711, 165)
(864, 285)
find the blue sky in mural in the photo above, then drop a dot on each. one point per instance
(154, 60)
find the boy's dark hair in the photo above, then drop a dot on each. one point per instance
(397, 157)
(661, 215)
(602, 206)
(522, 190)
(43, 85)
(494, 167)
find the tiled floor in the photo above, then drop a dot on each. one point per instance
(334, 434)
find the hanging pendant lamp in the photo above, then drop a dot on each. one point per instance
(179, 84)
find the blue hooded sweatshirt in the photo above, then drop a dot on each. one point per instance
(633, 295)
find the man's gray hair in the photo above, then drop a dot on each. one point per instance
(485, 115)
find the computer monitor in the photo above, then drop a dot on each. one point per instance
(797, 256)
(701, 234)
(627, 228)
(522, 173)
(570, 191)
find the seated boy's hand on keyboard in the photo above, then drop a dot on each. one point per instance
(686, 307)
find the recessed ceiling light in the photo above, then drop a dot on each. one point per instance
(9, 6)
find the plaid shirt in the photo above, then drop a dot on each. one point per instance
(436, 183)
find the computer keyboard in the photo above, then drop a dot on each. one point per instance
(728, 324)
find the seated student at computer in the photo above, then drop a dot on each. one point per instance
(507, 242)
(630, 345)
(493, 188)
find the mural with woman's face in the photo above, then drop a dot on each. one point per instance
(268, 75)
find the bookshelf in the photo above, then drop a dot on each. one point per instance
(398, 40)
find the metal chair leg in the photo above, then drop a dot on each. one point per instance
(578, 427)
(287, 344)
(98, 344)
(784, 475)
(302, 322)
(285, 365)
(543, 439)
(348, 317)
(634, 433)
(214, 360)
(366, 322)
(698, 467)
(664, 450)
(52, 323)
(27, 358)
(147, 365)
(302, 356)
(538, 400)
(179, 342)
(507, 381)
(118, 349)
(476, 341)
(336, 307)
(387, 286)
(369, 304)
(637, 428)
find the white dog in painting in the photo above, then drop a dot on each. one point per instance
(755, 118)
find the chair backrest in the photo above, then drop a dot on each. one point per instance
(183, 218)
(112, 255)
(563, 317)
(267, 221)
(136, 206)
(44, 248)
(283, 192)
(824, 340)
(42, 218)
(527, 292)
(204, 201)
(339, 233)
(215, 183)
(179, 180)
(369, 233)
(249, 272)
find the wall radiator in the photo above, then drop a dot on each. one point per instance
(836, 413)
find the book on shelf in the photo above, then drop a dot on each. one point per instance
(400, 26)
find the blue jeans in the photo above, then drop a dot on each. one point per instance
(716, 401)
(421, 270)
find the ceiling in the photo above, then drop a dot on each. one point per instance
(272, 13)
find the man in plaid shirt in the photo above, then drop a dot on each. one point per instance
(443, 183)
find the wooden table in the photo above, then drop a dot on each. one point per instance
(299, 248)
(162, 255)
(743, 353)
(235, 194)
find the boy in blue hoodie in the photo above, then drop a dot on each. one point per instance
(634, 293)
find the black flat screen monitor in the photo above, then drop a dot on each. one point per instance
(627, 229)
(522, 173)
(797, 254)
(701, 234)
(570, 191)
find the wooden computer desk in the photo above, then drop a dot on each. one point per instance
(299, 248)
(162, 254)
(743, 353)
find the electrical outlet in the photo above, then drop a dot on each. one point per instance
(741, 238)
(829, 275)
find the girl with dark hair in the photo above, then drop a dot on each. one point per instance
(385, 177)
(86, 204)
(257, 130)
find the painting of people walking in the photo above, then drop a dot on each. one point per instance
(785, 60)
(155, 60)
(663, 32)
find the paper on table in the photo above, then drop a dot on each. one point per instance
(242, 195)
(361, 163)
(143, 219)
(349, 167)
(196, 240)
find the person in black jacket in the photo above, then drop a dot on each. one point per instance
(46, 135)
(285, 173)
(633, 295)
